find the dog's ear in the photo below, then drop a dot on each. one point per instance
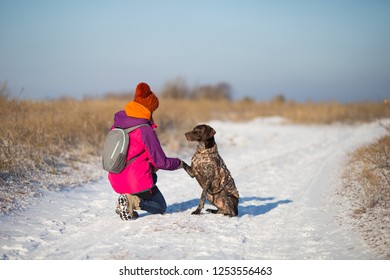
(209, 132)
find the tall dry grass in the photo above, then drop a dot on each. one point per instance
(35, 135)
(367, 190)
(368, 174)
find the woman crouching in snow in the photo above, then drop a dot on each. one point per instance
(136, 184)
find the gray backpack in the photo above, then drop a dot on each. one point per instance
(115, 149)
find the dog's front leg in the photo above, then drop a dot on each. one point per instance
(202, 199)
(189, 169)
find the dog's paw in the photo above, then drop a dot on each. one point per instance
(184, 165)
(212, 211)
(196, 212)
(188, 169)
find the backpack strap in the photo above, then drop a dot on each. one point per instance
(128, 130)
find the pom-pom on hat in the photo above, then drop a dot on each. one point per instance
(144, 96)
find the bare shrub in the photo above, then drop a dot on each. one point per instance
(176, 89)
(4, 94)
(279, 99)
(221, 91)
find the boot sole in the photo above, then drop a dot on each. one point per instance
(124, 213)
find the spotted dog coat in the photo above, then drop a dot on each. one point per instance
(211, 172)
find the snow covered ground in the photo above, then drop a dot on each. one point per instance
(286, 175)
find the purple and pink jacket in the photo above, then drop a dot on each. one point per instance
(137, 176)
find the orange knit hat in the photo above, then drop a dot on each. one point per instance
(144, 96)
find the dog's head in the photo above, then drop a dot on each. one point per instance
(200, 133)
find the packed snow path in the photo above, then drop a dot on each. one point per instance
(286, 175)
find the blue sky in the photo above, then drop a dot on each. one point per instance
(307, 50)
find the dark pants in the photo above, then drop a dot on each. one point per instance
(153, 201)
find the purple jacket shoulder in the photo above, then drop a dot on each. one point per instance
(123, 121)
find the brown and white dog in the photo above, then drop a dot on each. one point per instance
(211, 172)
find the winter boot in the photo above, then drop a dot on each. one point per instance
(134, 202)
(126, 207)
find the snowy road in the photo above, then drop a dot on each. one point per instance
(286, 175)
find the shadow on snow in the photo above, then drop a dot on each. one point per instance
(252, 210)
(256, 210)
